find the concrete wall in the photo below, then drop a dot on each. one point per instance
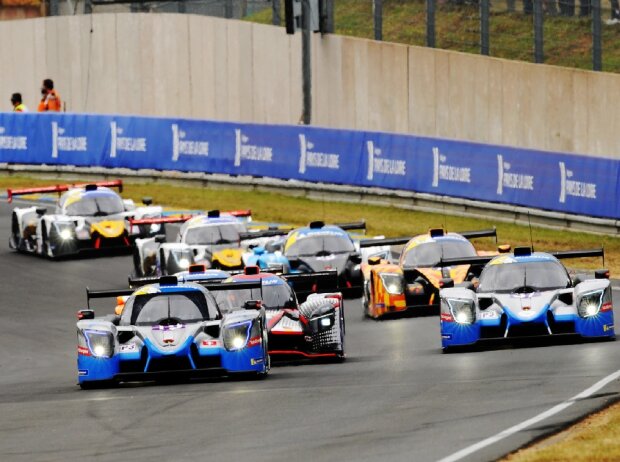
(204, 67)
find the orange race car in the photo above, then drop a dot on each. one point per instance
(415, 279)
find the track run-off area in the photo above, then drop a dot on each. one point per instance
(395, 398)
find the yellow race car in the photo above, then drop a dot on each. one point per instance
(414, 280)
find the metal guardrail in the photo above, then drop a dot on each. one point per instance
(333, 193)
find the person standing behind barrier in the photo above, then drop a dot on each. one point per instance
(16, 101)
(51, 99)
(615, 13)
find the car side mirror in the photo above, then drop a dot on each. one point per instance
(86, 314)
(294, 262)
(160, 238)
(253, 305)
(445, 283)
(601, 274)
(372, 261)
(356, 258)
(504, 248)
(40, 211)
(147, 200)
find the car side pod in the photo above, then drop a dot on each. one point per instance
(457, 317)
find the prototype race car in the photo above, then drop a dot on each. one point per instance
(526, 294)
(212, 239)
(305, 314)
(413, 282)
(170, 330)
(87, 217)
(319, 247)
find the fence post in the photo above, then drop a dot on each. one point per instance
(377, 9)
(484, 27)
(330, 16)
(539, 56)
(228, 9)
(597, 48)
(430, 23)
(275, 12)
(306, 61)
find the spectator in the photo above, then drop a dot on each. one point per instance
(16, 101)
(51, 99)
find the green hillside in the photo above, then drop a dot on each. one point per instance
(568, 40)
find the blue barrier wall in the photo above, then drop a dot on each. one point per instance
(544, 180)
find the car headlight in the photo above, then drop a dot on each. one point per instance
(65, 231)
(100, 344)
(236, 336)
(393, 283)
(462, 310)
(591, 303)
(184, 263)
(155, 227)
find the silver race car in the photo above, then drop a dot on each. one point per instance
(87, 217)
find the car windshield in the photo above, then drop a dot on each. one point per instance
(428, 255)
(166, 308)
(96, 206)
(215, 234)
(509, 277)
(273, 297)
(320, 243)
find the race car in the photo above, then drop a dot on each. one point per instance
(170, 330)
(526, 294)
(87, 217)
(212, 239)
(305, 313)
(413, 281)
(316, 247)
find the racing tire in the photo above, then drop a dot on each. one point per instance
(341, 354)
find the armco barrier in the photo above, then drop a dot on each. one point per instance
(544, 180)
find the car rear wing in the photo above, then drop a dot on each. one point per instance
(480, 233)
(10, 193)
(110, 293)
(365, 243)
(159, 220)
(356, 225)
(479, 260)
(264, 233)
(579, 253)
(304, 284)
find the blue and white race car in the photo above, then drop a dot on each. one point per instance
(170, 330)
(525, 294)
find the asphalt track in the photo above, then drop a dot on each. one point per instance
(397, 397)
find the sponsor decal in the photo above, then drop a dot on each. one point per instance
(128, 348)
(379, 164)
(254, 341)
(569, 186)
(446, 336)
(256, 361)
(511, 180)
(13, 143)
(84, 351)
(182, 146)
(447, 317)
(309, 157)
(118, 142)
(492, 314)
(82, 372)
(60, 142)
(608, 327)
(244, 150)
(442, 171)
(210, 343)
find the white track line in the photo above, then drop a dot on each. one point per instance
(534, 420)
